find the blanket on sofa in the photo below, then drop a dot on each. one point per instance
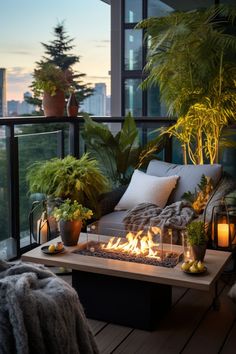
(40, 313)
(174, 216)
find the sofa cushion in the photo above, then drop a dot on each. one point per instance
(145, 188)
(190, 175)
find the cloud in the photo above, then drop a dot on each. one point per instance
(18, 75)
(98, 77)
(17, 52)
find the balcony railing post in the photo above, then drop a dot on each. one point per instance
(74, 138)
(13, 185)
(60, 144)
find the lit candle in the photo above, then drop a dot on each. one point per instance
(223, 235)
(42, 232)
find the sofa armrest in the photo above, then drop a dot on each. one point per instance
(108, 201)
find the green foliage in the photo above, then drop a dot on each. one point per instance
(118, 155)
(49, 78)
(76, 179)
(191, 59)
(58, 53)
(196, 233)
(71, 210)
(199, 198)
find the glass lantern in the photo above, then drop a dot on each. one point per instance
(224, 227)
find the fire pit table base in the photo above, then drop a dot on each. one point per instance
(123, 301)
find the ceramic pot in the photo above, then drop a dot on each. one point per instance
(53, 106)
(198, 252)
(70, 231)
(72, 106)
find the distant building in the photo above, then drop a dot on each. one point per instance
(3, 102)
(12, 108)
(108, 105)
(96, 104)
(17, 108)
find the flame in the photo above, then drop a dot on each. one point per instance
(136, 244)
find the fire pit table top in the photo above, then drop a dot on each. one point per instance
(214, 261)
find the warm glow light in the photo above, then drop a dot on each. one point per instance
(223, 235)
(42, 232)
(135, 244)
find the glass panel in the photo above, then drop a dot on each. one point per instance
(133, 49)
(7, 244)
(34, 147)
(133, 97)
(155, 107)
(158, 8)
(133, 11)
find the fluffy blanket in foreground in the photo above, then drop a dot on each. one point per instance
(40, 313)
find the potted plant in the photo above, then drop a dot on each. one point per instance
(197, 239)
(51, 82)
(197, 81)
(70, 215)
(76, 179)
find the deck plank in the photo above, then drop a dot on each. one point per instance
(214, 328)
(110, 337)
(230, 343)
(174, 330)
(96, 326)
(137, 337)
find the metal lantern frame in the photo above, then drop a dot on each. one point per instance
(224, 214)
(36, 206)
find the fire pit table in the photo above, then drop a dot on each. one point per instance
(126, 292)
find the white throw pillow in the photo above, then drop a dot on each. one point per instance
(144, 188)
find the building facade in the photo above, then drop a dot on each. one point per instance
(3, 102)
(128, 53)
(96, 103)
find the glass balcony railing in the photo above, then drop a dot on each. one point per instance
(24, 141)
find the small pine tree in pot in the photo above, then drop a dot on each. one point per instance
(197, 239)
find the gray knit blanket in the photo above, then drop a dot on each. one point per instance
(175, 216)
(40, 313)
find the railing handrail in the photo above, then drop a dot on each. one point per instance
(104, 119)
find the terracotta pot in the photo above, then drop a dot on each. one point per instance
(72, 106)
(54, 105)
(70, 231)
(198, 252)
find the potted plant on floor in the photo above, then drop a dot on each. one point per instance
(70, 216)
(52, 83)
(197, 239)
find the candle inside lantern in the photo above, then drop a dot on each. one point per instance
(42, 231)
(223, 235)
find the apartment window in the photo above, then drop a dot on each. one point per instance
(133, 11)
(158, 8)
(133, 49)
(133, 97)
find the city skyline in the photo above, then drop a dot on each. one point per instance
(20, 45)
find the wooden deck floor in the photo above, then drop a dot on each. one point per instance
(192, 326)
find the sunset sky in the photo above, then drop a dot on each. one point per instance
(26, 23)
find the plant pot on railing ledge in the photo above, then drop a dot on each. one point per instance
(54, 106)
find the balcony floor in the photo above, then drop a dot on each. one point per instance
(192, 326)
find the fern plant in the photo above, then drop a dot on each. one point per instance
(76, 179)
(118, 155)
